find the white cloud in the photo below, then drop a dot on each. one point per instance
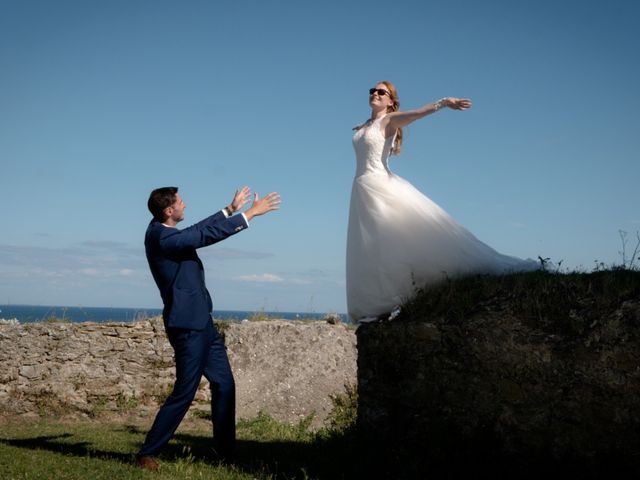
(110, 246)
(222, 253)
(518, 225)
(271, 278)
(18, 261)
(260, 278)
(92, 272)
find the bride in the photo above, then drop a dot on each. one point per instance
(398, 239)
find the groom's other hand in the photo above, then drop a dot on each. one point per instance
(240, 199)
(263, 205)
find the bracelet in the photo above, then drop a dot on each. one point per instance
(441, 103)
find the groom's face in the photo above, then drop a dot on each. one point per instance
(176, 211)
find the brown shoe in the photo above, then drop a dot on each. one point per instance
(147, 462)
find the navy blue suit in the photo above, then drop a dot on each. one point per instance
(199, 349)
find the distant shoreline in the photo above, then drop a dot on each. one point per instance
(42, 313)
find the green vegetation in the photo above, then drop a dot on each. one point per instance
(98, 404)
(48, 404)
(126, 403)
(265, 429)
(161, 395)
(53, 448)
(555, 303)
(54, 319)
(343, 416)
(260, 316)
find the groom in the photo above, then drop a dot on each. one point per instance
(198, 347)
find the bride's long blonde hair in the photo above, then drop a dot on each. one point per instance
(394, 107)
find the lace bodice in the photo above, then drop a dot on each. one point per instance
(372, 149)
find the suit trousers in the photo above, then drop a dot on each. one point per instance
(197, 353)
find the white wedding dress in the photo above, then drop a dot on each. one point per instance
(399, 240)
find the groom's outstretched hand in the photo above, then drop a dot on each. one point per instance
(263, 205)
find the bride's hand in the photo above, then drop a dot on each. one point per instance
(458, 103)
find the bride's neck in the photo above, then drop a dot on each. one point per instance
(375, 114)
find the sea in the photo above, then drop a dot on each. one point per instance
(42, 313)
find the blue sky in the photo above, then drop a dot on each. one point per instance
(102, 101)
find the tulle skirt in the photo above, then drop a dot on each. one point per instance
(399, 240)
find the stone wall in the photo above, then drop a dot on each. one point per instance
(491, 392)
(288, 369)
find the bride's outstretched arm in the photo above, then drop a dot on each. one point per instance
(401, 119)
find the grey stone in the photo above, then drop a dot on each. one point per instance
(288, 369)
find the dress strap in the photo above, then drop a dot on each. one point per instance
(368, 123)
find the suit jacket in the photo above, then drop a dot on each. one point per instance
(178, 271)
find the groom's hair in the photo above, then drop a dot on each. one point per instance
(160, 199)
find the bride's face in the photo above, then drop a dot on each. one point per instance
(380, 97)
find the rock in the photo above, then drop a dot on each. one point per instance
(287, 369)
(490, 387)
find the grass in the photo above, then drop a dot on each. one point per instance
(54, 319)
(55, 448)
(555, 303)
